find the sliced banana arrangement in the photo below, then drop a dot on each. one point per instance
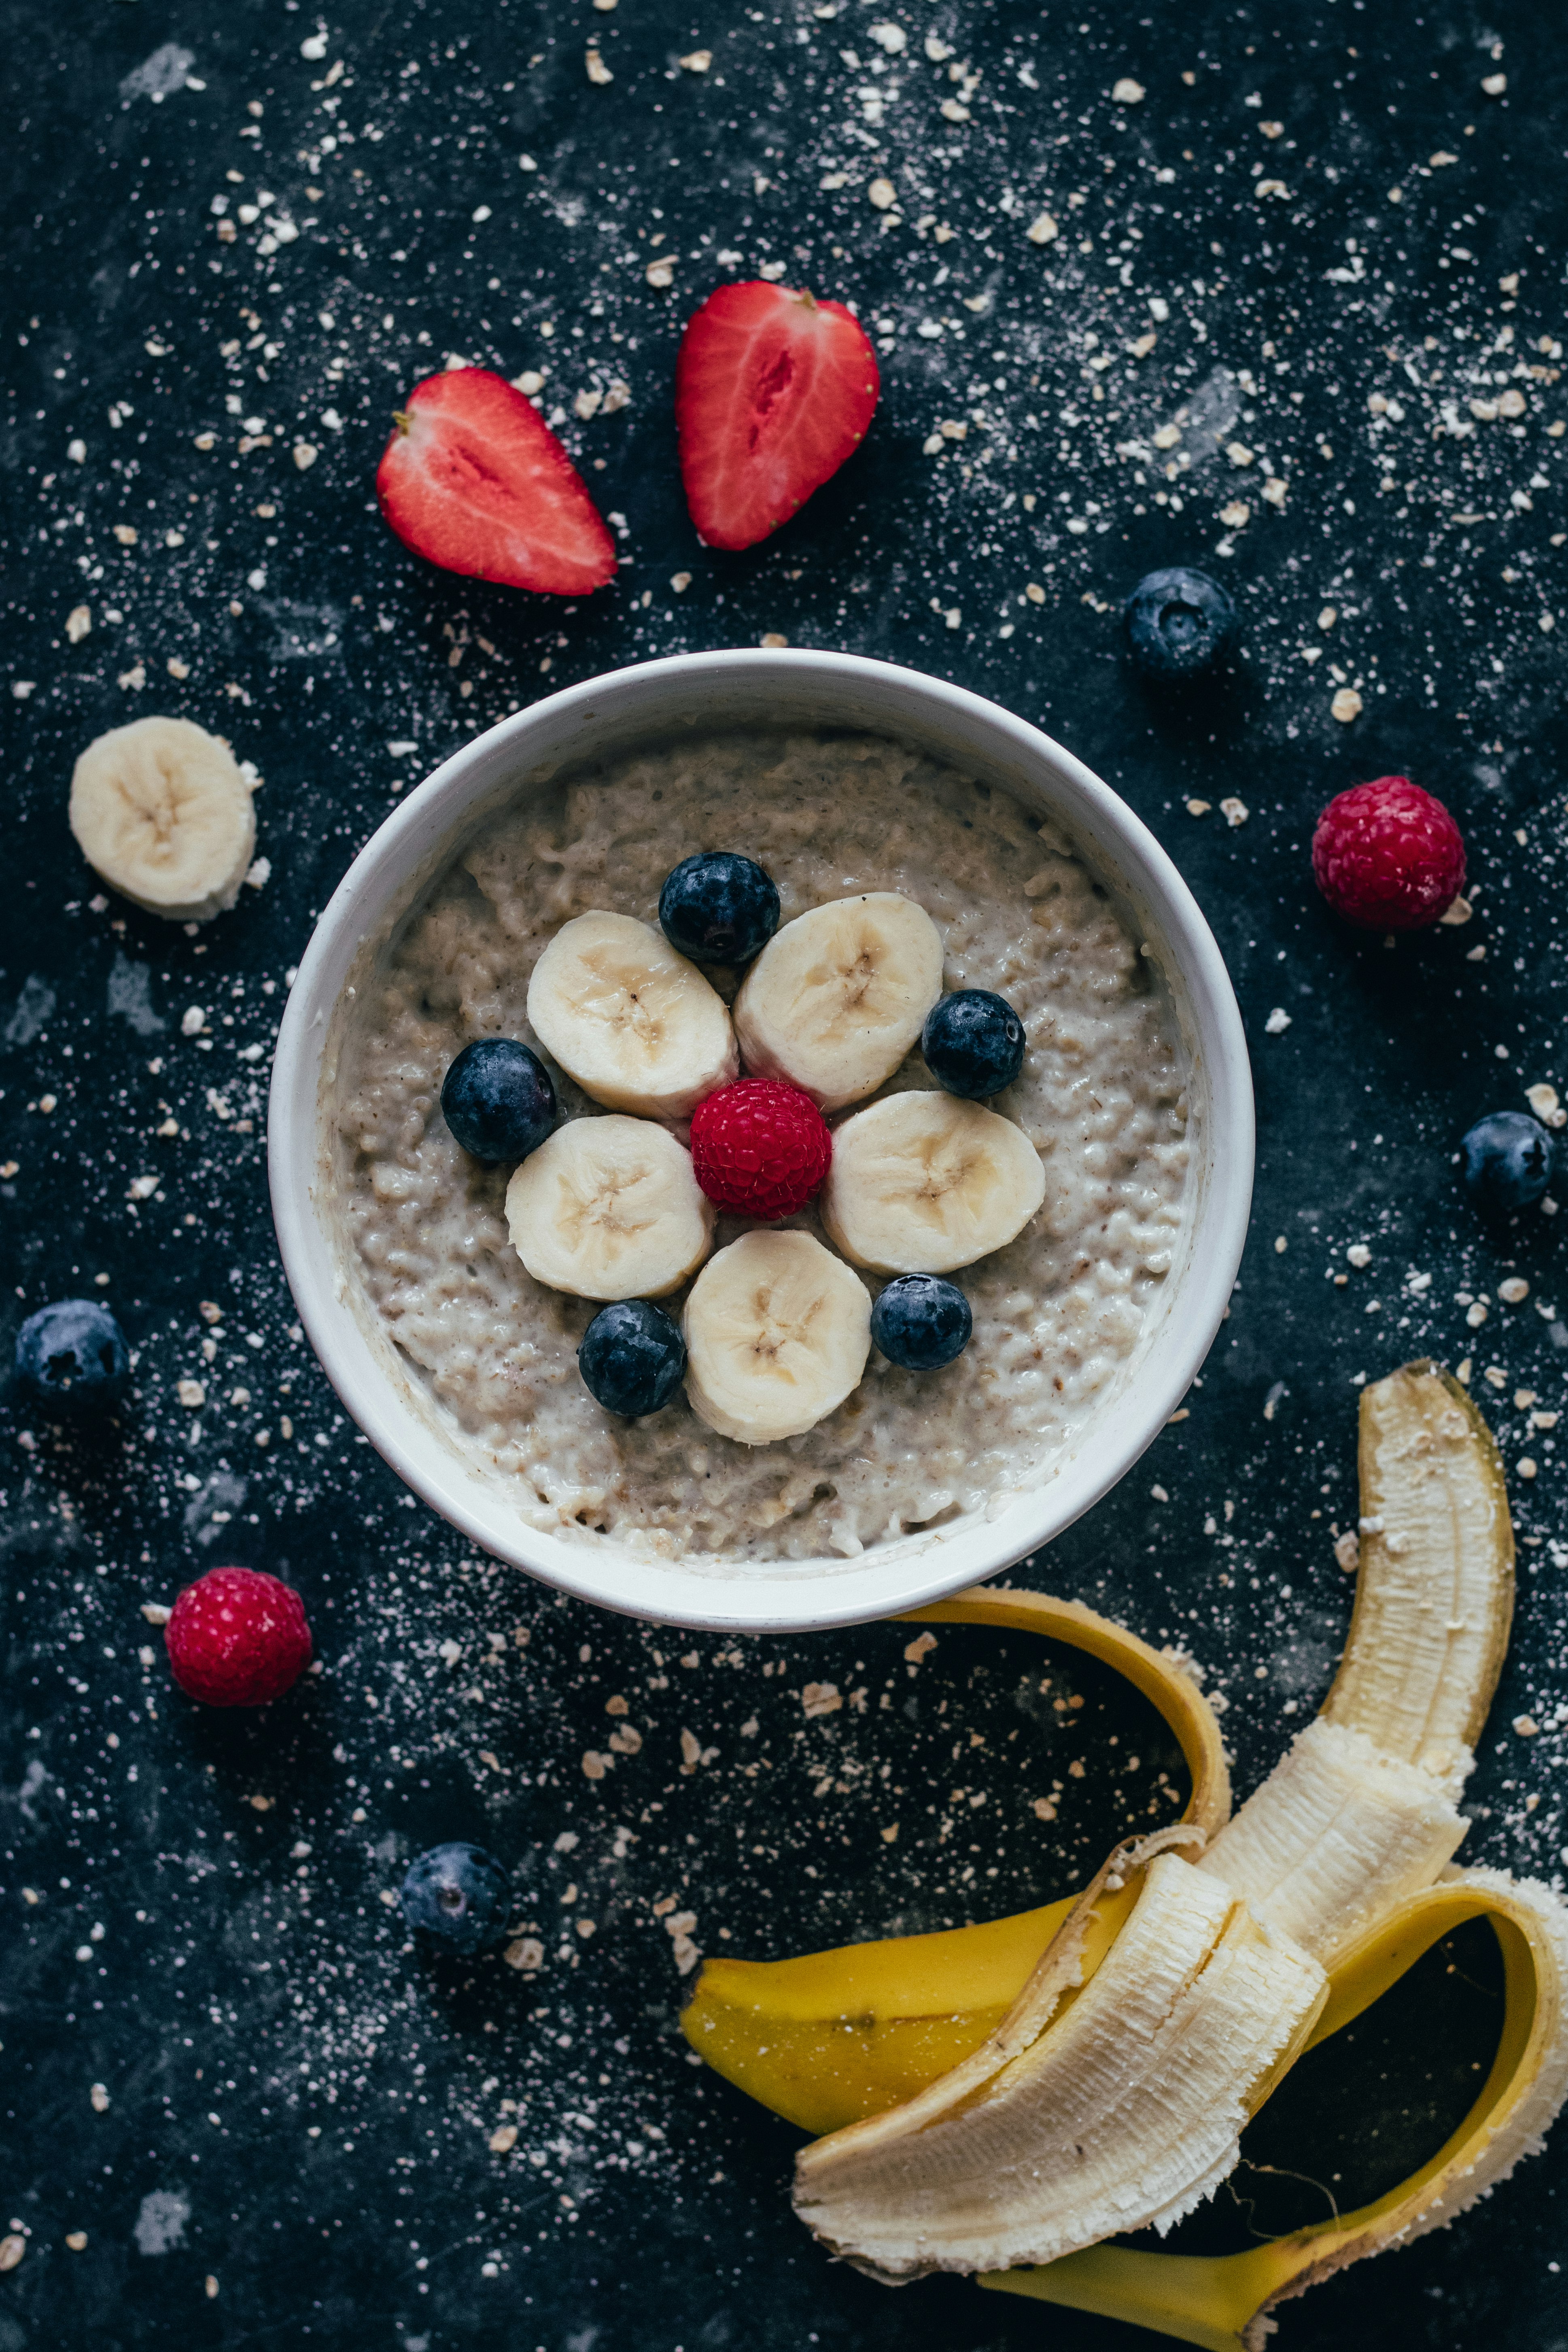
(162, 812)
(636, 1024)
(836, 998)
(777, 1332)
(608, 1208)
(777, 1329)
(922, 1183)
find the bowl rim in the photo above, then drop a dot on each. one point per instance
(763, 1596)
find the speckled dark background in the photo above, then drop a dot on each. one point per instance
(299, 2106)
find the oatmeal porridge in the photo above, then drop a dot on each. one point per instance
(1058, 1312)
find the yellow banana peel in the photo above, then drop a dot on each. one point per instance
(1219, 2301)
(1335, 1860)
(832, 2037)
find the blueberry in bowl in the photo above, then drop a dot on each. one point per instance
(499, 1100)
(972, 1043)
(920, 1322)
(71, 1357)
(459, 1895)
(719, 908)
(631, 1358)
(1180, 624)
(1505, 1163)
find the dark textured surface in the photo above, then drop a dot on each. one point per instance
(299, 2106)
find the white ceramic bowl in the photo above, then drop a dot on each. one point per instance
(613, 714)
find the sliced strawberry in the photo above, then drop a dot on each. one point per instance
(474, 480)
(772, 391)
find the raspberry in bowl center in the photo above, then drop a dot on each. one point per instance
(759, 1147)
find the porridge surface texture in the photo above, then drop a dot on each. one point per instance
(1059, 1313)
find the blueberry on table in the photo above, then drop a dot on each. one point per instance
(72, 1357)
(631, 1358)
(1505, 1163)
(719, 908)
(920, 1322)
(460, 1895)
(498, 1099)
(972, 1043)
(1179, 624)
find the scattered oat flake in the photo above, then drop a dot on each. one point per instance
(1042, 230)
(883, 194)
(1346, 705)
(78, 623)
(823, 1698)
(1199, 808)
(502, 2139)
(1126, 92)
(696, 60)
(598, 72)
(12, 2250)
(1277, 1023)
(1237, 515)
(191, 1394)
(772, 637)
(1234, 811)
(661, 273)
(524, 1952)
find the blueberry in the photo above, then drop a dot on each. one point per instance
(460, 1895)
(972, 1043)
(498, 1099)
(1178, 623)
(921, 1322)
(719, 908)
(1505, 1161)
(631, 1358)
(72, 1356)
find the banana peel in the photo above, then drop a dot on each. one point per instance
(1221, 2302)
(1331, 1863)
(835, 2036)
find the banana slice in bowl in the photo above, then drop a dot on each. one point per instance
(161, 811)
(922, 1183)
(836, 998)
(609, 1208)
(636, 1024)
(777, 1332)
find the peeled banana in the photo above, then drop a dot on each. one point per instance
(636, 1024)
(948, 2073)
(923, 1184)
(838, 997)
(777, 1332)
(161, 810)
(1222, 2301)
(609, 1208)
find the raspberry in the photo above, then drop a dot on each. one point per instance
(237, 1638)
(761, 1148)
(1388, 857)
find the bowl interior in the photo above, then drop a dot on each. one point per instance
(704, 694)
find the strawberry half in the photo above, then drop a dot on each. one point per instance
(474, 480)
(772, 391)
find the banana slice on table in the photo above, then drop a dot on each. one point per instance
(777, 1333)
(608, 1208)
(636, 1024)
(162, 812)
(836, 998)
(924, 1182)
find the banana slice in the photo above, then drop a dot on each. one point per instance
(836, 998)
(777, 1333)
(608, 1208)
(161, 810)
(636, 1024)
(924, 1182)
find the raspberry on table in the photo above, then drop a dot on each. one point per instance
(237, 1638)
(1388, 857)
(759, 1147)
